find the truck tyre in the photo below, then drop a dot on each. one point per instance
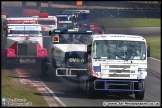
(78, 82)
(51, 75)
(43, 69)
(90, 89)
(102, 30)
(7, 65)
(140, 94)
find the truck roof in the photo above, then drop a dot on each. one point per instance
(117, 37)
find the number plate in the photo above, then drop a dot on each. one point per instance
(27, 60)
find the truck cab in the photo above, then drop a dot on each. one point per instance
(116, 63)
(68, 51)
(24, 42)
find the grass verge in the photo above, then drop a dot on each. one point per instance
(127, 22)
(12, 88)
(154, 46)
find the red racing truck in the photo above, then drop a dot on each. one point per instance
(23, 42)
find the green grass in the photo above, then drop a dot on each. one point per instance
(12, 88)
(155, 47)
(127, 22)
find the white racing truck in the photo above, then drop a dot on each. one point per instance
(116, 63)
(24, 42)
(68, 52)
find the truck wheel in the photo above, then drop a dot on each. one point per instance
(43, 69)
(78, 82)
(7, 65)
(51, 75)
(49, 72)
(4, 64)
(140, 94)
(90, 89)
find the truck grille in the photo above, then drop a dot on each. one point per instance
(27, 49)
(112, 71)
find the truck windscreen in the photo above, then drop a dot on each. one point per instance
(114, 49)
(73, 38)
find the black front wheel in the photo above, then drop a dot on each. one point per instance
(43, 69)
(139, 95)
(90, 89)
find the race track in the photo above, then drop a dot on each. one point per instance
(65, 89)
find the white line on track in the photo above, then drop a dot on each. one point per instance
(50, 91)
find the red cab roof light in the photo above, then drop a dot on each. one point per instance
(43, 15)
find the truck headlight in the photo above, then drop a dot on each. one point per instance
(142, 73)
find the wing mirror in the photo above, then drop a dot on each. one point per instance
(148, 50)
(50, 33)
(4, 27)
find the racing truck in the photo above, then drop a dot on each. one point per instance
(48, 22)
(81, 19)
(116, 63)
(65, 20)
(68, 53)
(24, 42)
